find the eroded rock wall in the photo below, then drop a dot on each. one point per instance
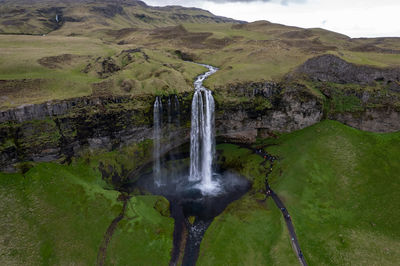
(61, 129)
(288, 109)
(58, 130)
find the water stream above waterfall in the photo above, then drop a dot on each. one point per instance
(188, 175)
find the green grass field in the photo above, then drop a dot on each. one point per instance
(340, 186)
(58, 215)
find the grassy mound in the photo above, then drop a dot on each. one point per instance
(340, 186)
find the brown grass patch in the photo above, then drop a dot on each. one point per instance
(122, 33)
(314, 45)
(181, 35)
(375, 49)
(10, 87)
(60, 61)
(102, 88)
(297, 34)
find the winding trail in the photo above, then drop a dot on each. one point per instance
(281, 206)
(101, 255)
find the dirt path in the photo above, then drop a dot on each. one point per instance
(281, 206)
(101, 255)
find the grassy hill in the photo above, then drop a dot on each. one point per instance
(129, 48)
(340, 187)
(78, 17)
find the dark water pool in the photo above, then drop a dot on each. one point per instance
(192, 209)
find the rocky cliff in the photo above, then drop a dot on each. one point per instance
(61, 129)
(57, 130)
(334, 69)
(246, 111)
(364, 97)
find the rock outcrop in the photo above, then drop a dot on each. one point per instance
(334, 69)
(383, 119)
(364, 97)
(270, 108)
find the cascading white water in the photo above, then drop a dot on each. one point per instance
(202, 148)
(177, 112)
(157, 125)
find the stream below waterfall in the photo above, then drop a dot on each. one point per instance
(188, 175)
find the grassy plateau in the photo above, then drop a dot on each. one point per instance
(128, 48)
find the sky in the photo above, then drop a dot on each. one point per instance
(354, 18)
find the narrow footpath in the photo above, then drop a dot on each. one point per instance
(281, 206)
(101, 255)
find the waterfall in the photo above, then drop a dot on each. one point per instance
(169, 111)
(202, 139)
(177, 112)
(157, 126)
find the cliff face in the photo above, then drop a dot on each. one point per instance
(61, 129)
(364, 97)
(268, 108)
(382, 119)
(58, 130)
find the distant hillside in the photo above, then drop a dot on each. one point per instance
(82, 16)
(125, 47)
